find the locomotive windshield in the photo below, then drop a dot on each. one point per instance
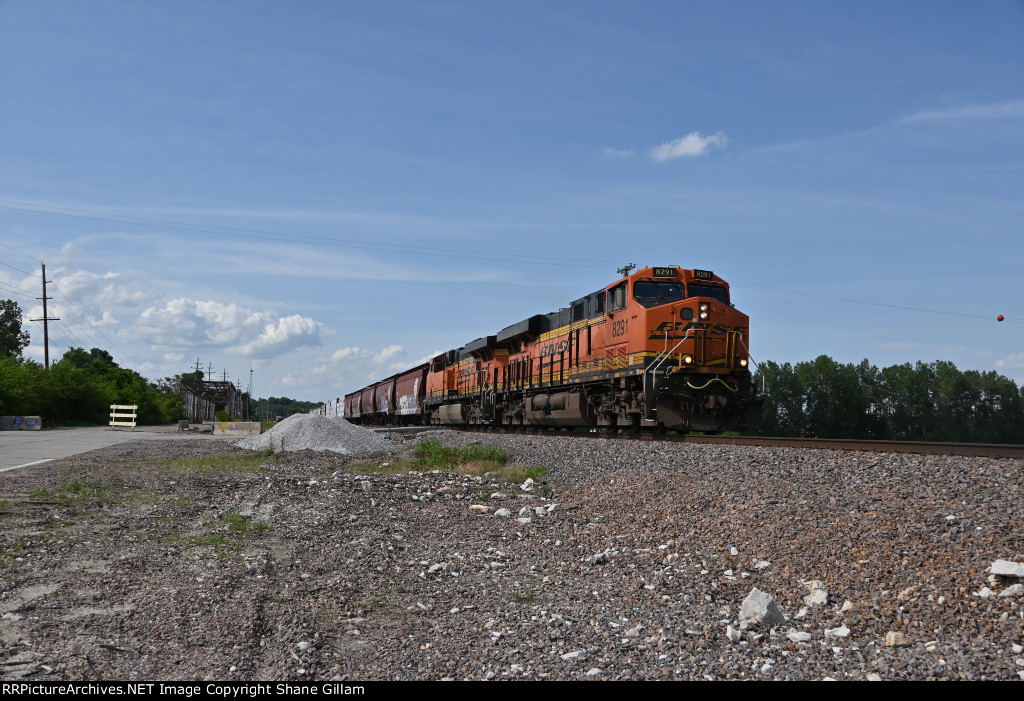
(651, 294)
(712, 291)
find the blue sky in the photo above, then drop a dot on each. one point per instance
(329, 192)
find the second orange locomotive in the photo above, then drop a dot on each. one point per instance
(661, 348)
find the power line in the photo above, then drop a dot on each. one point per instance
(95, 327)
(40, 322)
(259, 234)
(23, 255)
(504, 257)
(97, 330)
(81, 327)
(69, 332)
(815, 295)
(8, 265)
(20, 292)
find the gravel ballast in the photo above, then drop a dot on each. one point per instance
(627, 560)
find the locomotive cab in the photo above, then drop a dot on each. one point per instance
(674, 335)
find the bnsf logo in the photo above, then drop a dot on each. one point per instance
(553, 348)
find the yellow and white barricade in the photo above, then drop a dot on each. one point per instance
(120, 416)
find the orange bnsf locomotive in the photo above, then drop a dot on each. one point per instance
(661, 348)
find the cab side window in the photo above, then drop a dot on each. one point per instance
(617, 297)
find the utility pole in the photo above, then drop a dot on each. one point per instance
(45, 319)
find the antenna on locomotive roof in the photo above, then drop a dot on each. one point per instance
(624, 270)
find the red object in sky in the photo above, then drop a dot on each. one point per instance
(999, 318)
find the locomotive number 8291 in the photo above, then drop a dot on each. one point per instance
(583, 367)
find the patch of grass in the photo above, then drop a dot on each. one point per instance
(76, 490)
(524, 597)
(236, 523)
(170, 537)
(255, 462)
(214, 539)
(473, 460)
(431, 455)
(231, 531)
(379, 602)
(135, 499)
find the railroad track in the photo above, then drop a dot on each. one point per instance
(991, 450)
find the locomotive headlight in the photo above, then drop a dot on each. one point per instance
(687, 359)
(743, 362)
(704, 310)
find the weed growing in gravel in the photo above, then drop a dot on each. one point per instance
(379, 602)
(232, 530)
(77, 490)
(212, 465)
(432, 455)
(474, 460)
(524, 597)
(170, 537)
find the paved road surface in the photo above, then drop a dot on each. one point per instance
(20, 448)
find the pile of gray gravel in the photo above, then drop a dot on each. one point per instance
(313, 432)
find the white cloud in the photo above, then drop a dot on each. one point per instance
(1011, 361)
(285, 334)
(343, 353)
(617, 153)
(693, 144)
(388, 353)
(427, 358)
(1012, 109)
(195, 323)
(366, 365)
(90, 292)
(68, 253)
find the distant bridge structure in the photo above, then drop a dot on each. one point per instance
(201, 399)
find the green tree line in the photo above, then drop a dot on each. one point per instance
(79, 389)
(920, 402)
(272, 407)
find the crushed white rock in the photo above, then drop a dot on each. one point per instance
(315, 432)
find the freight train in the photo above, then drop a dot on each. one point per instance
(662, 348)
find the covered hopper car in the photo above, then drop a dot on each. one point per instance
(661, 348)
